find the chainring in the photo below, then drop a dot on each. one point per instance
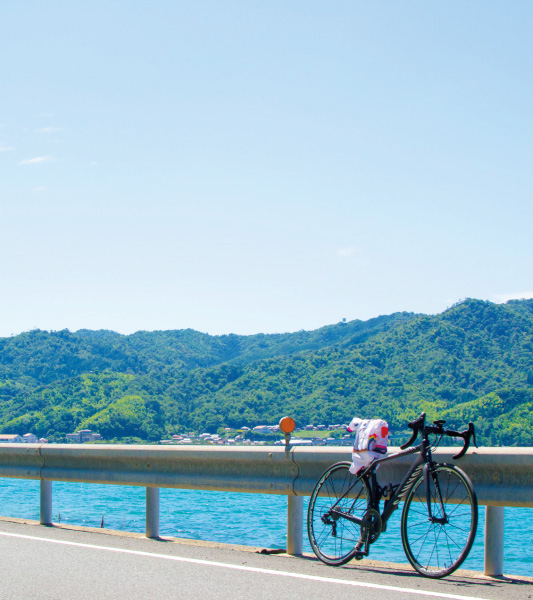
(371, 525)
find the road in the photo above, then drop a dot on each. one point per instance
(49, 563)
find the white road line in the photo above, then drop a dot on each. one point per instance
(210, 563)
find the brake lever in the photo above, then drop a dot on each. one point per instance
(471, 425)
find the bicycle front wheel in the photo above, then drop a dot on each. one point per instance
(337, 498)
(437, 538)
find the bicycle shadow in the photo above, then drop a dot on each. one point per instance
(461, 578)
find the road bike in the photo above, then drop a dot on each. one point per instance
(439, 516)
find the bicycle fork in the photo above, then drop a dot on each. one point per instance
(431, 475)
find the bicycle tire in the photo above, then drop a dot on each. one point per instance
(336, 540)
(438, 549)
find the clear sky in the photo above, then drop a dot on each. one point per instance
(244, 167)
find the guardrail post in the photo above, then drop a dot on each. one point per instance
(152, 512)
(46, 502)
(494, 540)
(295, 509)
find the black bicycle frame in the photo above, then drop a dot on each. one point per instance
(423, 461)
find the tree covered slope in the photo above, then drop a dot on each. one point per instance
(472, 362)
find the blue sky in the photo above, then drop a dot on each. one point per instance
(244, 167)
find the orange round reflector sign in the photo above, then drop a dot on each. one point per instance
(287, 425)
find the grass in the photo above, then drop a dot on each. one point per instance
(315, 434)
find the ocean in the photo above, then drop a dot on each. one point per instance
(235, 518)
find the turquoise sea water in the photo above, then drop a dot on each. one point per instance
(248, 519)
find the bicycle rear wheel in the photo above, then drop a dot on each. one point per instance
(334, 538)
(437, 545)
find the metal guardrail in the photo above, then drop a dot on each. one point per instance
(501, 476)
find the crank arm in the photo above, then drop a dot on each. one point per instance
(343, 515)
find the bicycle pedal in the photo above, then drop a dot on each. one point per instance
(359, 555)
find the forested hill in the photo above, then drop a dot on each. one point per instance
(472, 362)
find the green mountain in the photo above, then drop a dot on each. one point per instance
(472, 362)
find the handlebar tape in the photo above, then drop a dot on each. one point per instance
(466, 435)
(416, 426)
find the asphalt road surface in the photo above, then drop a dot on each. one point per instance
(57, 563)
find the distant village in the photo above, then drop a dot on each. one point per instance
(245, 436)
(310, 435)
(79, 437)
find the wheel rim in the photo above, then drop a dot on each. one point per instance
(437, 548)
(335, 539)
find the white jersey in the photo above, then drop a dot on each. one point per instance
(371, 440)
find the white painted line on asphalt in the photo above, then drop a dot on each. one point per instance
(210, 563)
